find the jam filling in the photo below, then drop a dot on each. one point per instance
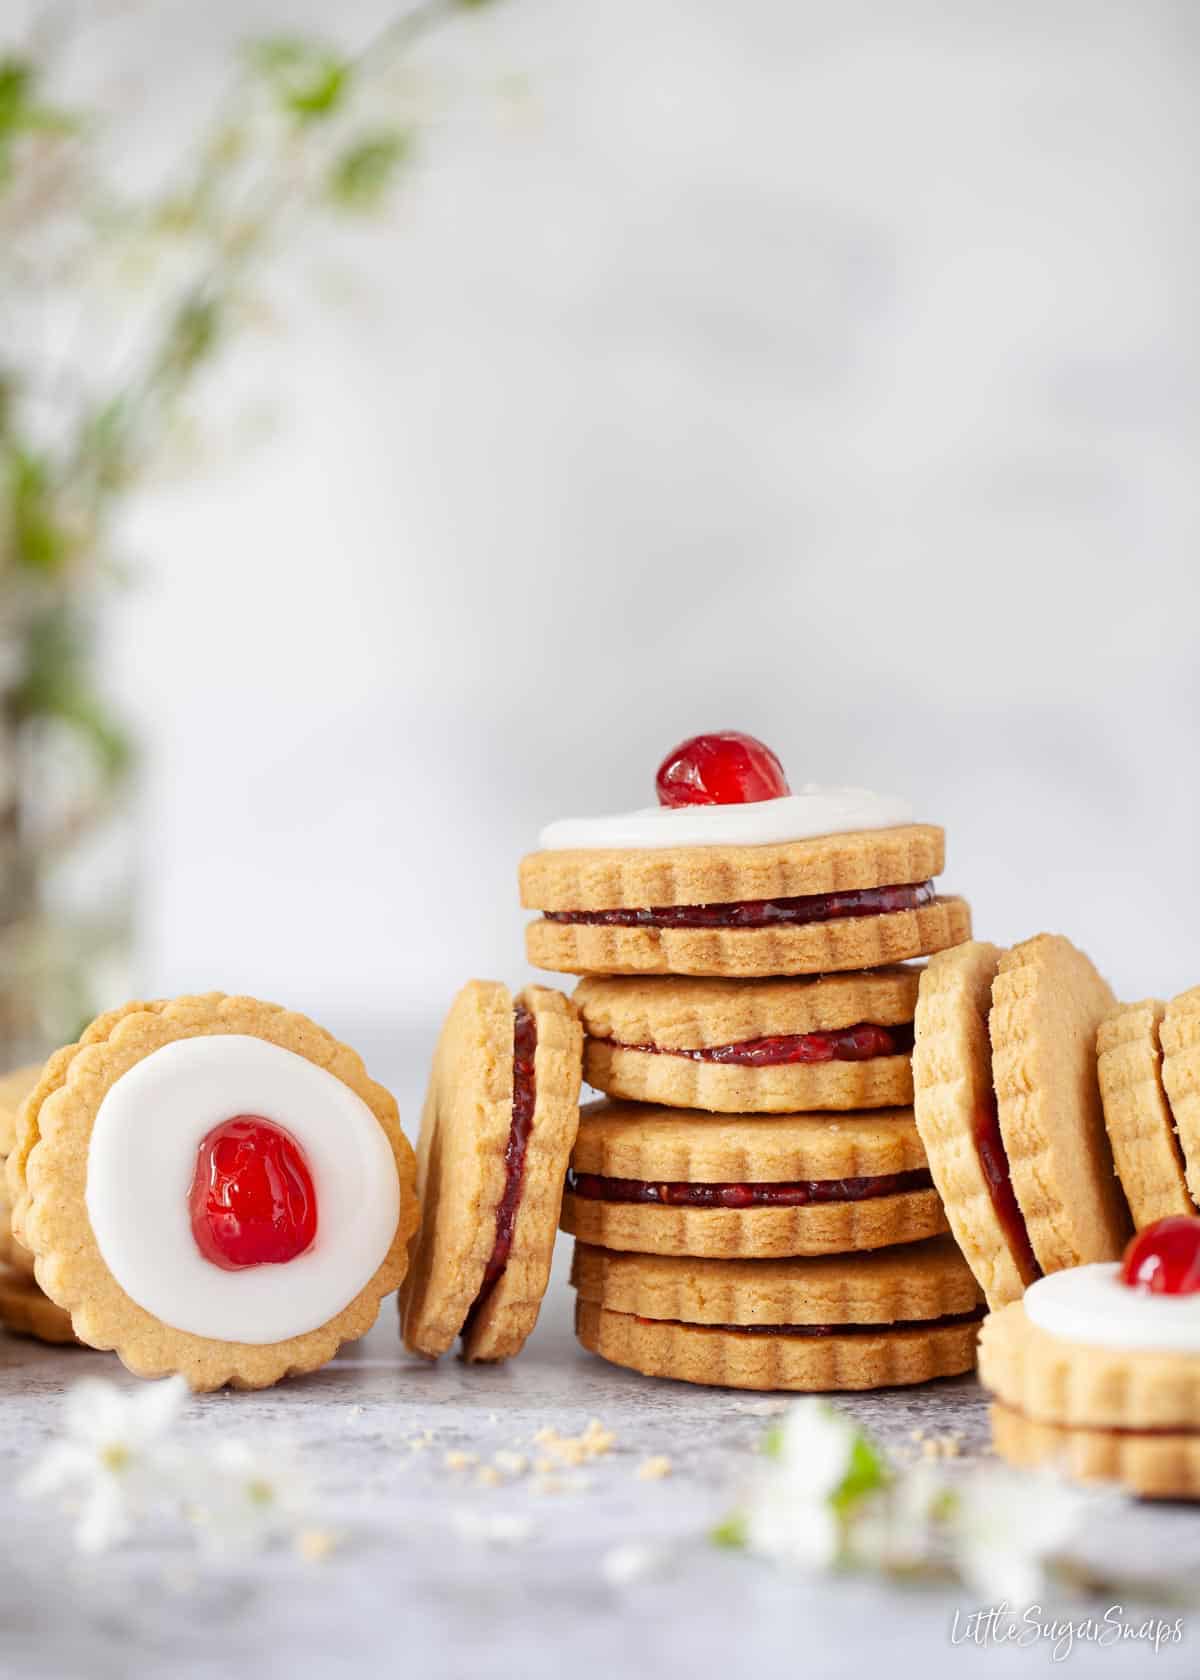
(943, 1323)
(993, 1158)
(761, 912)
(524, 1100)
(848, 1044)
(594, 1188)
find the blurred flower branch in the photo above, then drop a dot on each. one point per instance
(111, 307)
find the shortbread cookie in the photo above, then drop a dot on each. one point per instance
(1152, 1464)
(842, 1322)
(821, 947)
(924, 1280)
(212, 1185)
(677, 1181)
(1102, 1376)
(1047, 1004)
(600, 881)
(955, 1111)
(12, 1253)
(25, 1311)
(1145, 1149)
(499, 1122)
(782, 1046)
(14, 1088)
(1180, 1034)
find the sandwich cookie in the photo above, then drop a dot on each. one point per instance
(1181, 1076)
(677, 1181)
(1137, 1115)
(24, 1310)
(779, 1046)
(1007, 1103)
(839, 1323)
(499, 1122)
(733, 875)
(213, 1186)
(1097, 1370)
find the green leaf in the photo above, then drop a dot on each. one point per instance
(57, 684)
(308, 79)
(866, 1473)
(191, 337)
(21, 113)
(731, 1533)
(360, 177)
(39, 541)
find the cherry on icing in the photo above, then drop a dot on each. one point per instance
(727, 768)
(252, 1199)
(1164, 1259)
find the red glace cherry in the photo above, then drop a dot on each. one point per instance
(252, 1199)
(723, 769)
(1164, 1259)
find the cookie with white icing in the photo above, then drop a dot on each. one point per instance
(735, 875)
(213, 1185)
(1097, 1369)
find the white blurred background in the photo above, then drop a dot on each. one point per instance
(825, 370)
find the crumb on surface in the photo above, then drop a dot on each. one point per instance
(458, 1460)
(654, 1468)
(316, 1544)
(510, 1463)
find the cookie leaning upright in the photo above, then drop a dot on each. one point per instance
(24, 1309)
(212, 1185)
(497, 1130)
(955, 1111)
(1181, 1076)
(1146, 1152)
(1047, 1005)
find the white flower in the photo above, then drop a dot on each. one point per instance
(241, 1497)
(790, 1515)
(623, 1566)
(112, 1457)
(815, 1445)
(783, 1524)
(1005, 1526)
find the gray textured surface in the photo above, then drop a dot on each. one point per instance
(406, 1594)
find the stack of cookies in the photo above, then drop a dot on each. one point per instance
(752, 1204)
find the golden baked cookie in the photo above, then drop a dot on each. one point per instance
(14, 1088)
(774, 1046)
(1145, 1149)
(619, 879)
(955, 1112)
(496, 1134)
(733, 1358)
(1099, 1378)
(685, 1013)
(853, 942)
(212, 1185)
(677, 1181)
(1153, 1465)
(1180, 1033)
(25, 1311)
(1047, 1004)
(12, 1253)
(925, 1280)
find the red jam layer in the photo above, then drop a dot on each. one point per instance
(524, 1101)
(594, 1188)
(993, 1158)
(761, 912)
(848, 1044)
(943, 1323)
